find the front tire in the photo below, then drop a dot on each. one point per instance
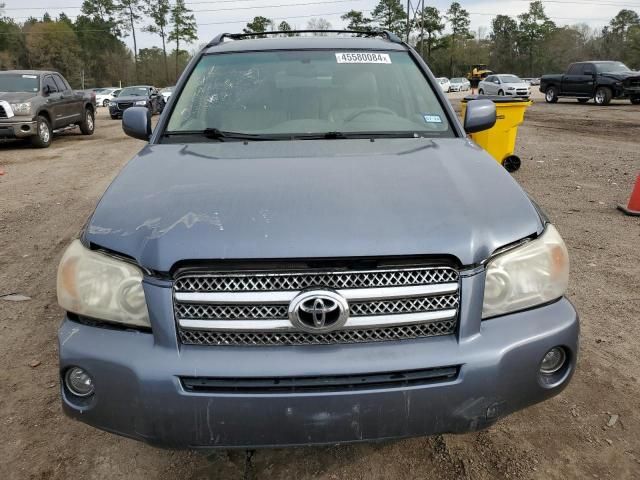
(603, 96)
(501, 93)
(44, 133)
(481, 92)
(551, 95)
(88, 124)
(105, 103)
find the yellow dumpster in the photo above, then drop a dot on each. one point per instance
(500, 141)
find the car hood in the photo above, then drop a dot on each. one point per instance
(621, 75)
(131, 98)
(516, 85)
(311, 199)
(17, 97)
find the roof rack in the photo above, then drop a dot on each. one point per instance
(392, 37)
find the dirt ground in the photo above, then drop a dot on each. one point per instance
(579, 161)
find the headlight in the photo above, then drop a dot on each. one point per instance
(112, 104)
(21, 108)
(511, 88)
(100, 286)
(141, 103)
(529, 275)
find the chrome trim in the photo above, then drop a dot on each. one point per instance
(285, 325)
(282, 297)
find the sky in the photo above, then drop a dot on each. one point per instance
(216, 16)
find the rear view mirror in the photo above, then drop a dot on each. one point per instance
(480, 115)
(136, 122)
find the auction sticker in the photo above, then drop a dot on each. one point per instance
(431, 118)
(362, 57)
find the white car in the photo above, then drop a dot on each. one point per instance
(105, 95)
(445, 84)
(508, 85)
(166, 93)
(459, 85)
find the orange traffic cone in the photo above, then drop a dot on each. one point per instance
(634, 202)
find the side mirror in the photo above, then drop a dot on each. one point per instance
(136, 122)
(479, 116)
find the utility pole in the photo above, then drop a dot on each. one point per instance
(413, 14)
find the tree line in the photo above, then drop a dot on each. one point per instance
(90, 50)
(529, 45)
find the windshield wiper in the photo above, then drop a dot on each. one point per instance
(222, 135)
(352, 135)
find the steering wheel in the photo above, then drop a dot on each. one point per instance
(364, 111)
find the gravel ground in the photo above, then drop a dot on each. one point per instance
(579, 161)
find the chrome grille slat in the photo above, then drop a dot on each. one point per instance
(260, 282)
(405, 332)
(252, 308)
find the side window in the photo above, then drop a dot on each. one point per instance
(489, 79)
(588, 69)
(59, 83)
(48, 82)
(575, 69)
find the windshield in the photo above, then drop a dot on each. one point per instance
(134, 91)
(612, 67)
(10, 82)
(510, 79)
(305, 92)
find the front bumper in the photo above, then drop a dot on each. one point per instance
(139, 394)
(18, 129)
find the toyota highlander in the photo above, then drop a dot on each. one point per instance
(309, 250)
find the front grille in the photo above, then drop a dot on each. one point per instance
(3, 112)
(404, 332)
(252, 308)
(124, 105)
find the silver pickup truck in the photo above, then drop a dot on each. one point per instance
(37, 104)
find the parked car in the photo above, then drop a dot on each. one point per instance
(508, 85)
(535, 82)
(298, 257)
(106, 95)
(138, 96)
(35, 104)
(445, 84)
(166, 93)
(602, 81)
(459, 85)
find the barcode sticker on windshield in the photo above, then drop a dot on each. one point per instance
(362, 57)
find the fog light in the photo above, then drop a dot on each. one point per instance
(79, 382)
(553, 361)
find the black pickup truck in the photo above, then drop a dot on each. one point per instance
(602, 81)
(34, 104)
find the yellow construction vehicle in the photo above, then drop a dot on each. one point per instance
(478, 72)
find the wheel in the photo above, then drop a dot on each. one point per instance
(105, 103)
(44, 133)
(603, 96)
(114, 117)
(501, 93)
(583, 100)
(481, 92)
(635, 101)
(88, 124)
(551, 95)
(512, 163)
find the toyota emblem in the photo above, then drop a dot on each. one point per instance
(319, 311)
